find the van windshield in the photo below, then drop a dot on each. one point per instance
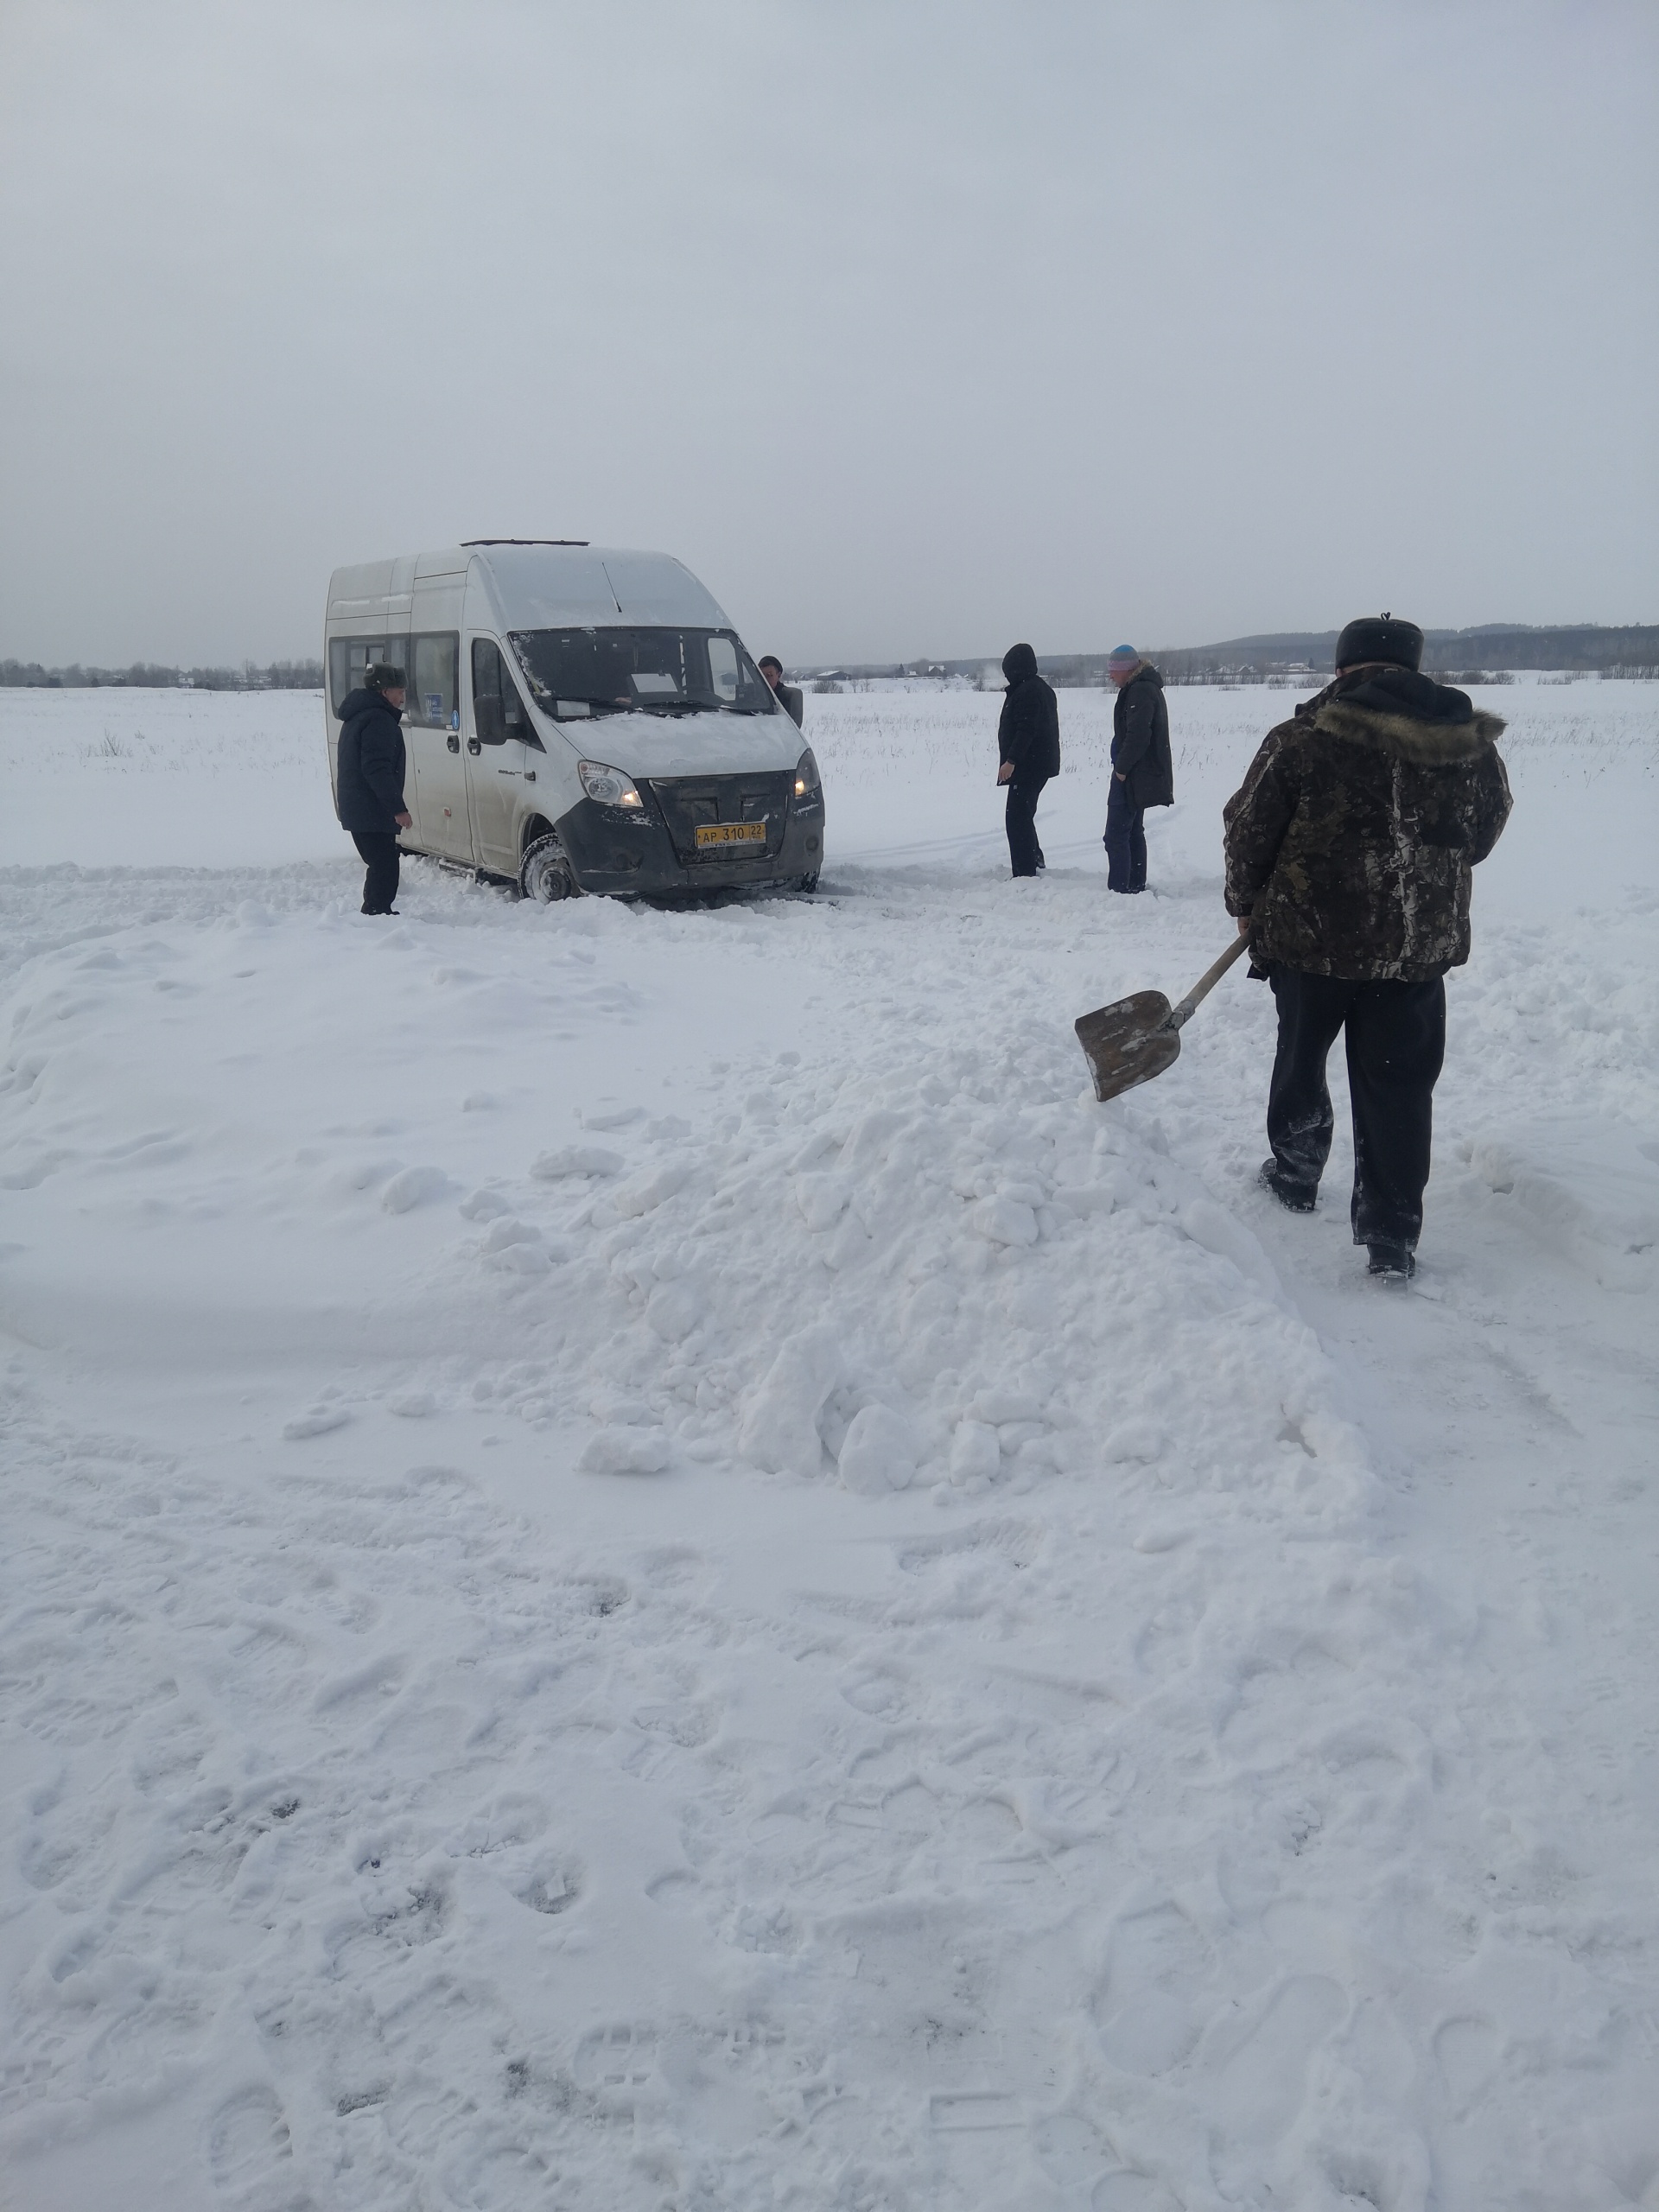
(652, 670)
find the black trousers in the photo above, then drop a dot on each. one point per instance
(1395, 1039)
(1126, 841)
(1025, 853)
(379, 850)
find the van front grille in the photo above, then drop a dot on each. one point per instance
(687, 800)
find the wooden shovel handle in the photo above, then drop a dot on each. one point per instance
(1183, 1009)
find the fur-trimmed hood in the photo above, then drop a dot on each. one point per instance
(1410, 716)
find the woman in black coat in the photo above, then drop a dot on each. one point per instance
(1029, 746)
(1142, 772)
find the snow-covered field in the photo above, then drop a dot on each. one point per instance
(647, 1564)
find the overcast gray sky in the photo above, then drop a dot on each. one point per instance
(909, 327)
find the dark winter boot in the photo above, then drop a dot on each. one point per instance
(1395, 1262)
(1294, 1195)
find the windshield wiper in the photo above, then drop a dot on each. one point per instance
(698, 707)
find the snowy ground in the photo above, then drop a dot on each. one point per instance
(648, 1565)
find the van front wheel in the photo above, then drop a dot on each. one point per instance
(545, 874)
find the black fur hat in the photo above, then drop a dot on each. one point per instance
(1383, 637)
(382, 675)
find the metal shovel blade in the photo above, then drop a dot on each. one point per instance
(1128, 1042)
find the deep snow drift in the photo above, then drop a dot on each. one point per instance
(647, 1564)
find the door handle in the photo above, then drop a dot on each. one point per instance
(453, 743)
(475, 745)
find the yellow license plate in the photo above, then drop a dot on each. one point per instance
(712, 837)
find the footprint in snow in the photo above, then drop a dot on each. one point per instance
(974, 2112)
(551, 1886)
(46, 1859)
(507, 1823)
(249, 2153)
(1260, 2085)
(1465, 2057)
(620, 2057)
(1125, 2191)
(1156, 1999)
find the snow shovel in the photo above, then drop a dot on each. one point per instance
(1137, 1038)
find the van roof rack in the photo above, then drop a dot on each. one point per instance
(525, 541)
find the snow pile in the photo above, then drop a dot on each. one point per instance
(648, 1564)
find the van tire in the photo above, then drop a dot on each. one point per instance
(544, 873)
(809, 883)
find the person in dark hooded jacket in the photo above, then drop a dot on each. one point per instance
(1029, 748)
(1142, 773)
(1350, 847)
(369, 779)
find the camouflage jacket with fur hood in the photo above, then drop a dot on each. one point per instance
(1352, 838)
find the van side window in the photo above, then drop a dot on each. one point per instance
(492, 682)
(434, 684)
(349, 657)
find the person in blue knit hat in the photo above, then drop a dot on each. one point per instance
(1142, 772)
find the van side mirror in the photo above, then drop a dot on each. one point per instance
(489, 724)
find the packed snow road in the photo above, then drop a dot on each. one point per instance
(647, 1564)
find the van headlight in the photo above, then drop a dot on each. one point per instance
(608, 786)
(808, 782)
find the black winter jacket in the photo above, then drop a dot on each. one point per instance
(1029, 732)
(369, 780)
(1141, 740)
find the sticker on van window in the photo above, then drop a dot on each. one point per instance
(455, 717)
(434, 706)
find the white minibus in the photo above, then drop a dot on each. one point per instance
(578, 718)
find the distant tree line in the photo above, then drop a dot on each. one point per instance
(150, 675)
(1463, 656)
(1306, 658)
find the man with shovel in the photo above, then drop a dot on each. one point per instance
(1349, 848)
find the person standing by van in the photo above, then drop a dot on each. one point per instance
(370, 779)
(1028, 749)
(788, 693)
(1142, 772)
